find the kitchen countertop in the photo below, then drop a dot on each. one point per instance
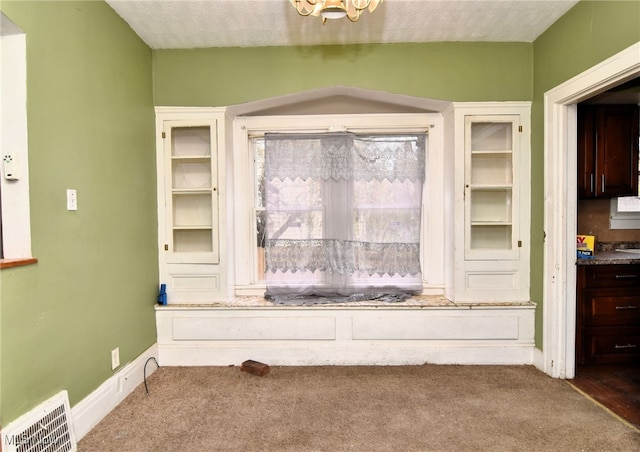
(610, 257)
(606, 254)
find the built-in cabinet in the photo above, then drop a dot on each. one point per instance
(475, 223)
(491, 239)
(608, 314)
(607, 151)
(190, 152)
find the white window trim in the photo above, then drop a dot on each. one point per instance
(16, 224)
(623, 220)
(433, 228)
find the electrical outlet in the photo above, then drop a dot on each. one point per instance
(72, 200)
(115, 358)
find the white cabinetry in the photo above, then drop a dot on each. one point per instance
(492, 202)
(190, 151)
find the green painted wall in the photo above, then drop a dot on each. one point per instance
(588, 34)
(91, 128)
(450, 71)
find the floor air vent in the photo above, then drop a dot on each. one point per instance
(46, 428)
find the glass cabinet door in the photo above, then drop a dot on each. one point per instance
(192, 193)
(490, 192)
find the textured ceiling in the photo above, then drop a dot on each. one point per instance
(165, 24)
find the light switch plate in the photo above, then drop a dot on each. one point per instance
(72, 200)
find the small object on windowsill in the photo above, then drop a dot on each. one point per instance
(255, 368)
(162, 296)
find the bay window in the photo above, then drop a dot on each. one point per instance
(343, 210)
(373, 213)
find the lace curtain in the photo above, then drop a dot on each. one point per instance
(343, 216)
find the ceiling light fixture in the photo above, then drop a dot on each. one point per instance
(334, 9)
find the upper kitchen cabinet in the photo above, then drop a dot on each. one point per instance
(607, 151)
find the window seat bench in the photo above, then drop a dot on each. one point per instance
(419, 330)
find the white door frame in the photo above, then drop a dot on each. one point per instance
(560, 204)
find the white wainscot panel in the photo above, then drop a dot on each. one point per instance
(490, 327)
(193, 287)
(194, 283)
(253, 328)
(492, 280)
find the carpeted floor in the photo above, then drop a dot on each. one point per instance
(396, 408)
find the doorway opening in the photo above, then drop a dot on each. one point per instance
(560, 225)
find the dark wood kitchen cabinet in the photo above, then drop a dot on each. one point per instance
(608, 314)
(607, 151)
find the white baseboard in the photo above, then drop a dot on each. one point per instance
(369, 353)
(538, 360)
(87, 413)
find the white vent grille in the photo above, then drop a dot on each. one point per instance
(47, 428)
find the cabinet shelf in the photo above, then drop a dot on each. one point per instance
(491, 151)
(490, 223)
(494, 187)
(191, 191)
(197, 227)
(191, 159)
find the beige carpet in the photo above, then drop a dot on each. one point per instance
(399, 408)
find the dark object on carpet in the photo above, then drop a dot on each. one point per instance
(255, 368)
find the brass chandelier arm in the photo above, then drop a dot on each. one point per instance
(356, 4)
(354, 9)
(301, 10)
(354, 19)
